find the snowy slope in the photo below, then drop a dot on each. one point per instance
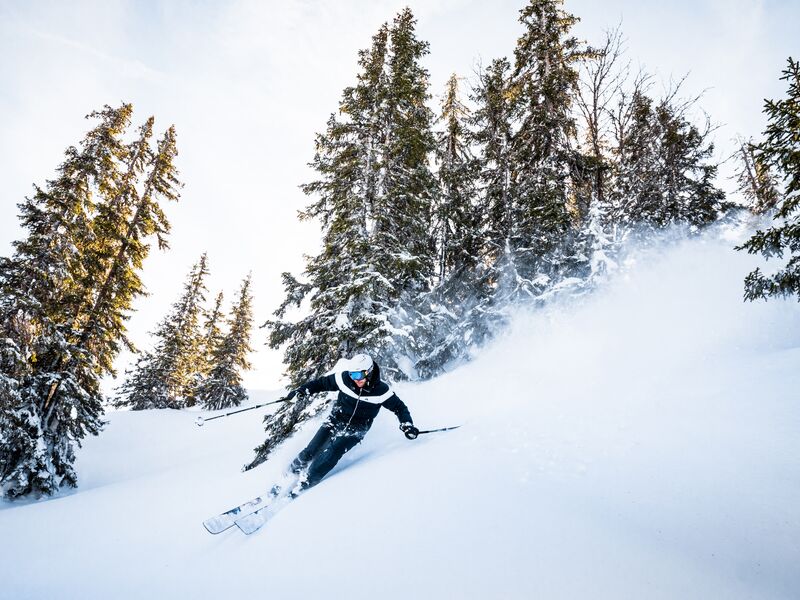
(642, 443)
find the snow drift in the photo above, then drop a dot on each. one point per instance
(637, 443)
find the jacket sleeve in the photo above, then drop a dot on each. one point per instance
(399, 408)
(326, 383)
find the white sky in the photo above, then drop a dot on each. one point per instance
(248, 84)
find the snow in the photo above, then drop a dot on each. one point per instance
(639, 442)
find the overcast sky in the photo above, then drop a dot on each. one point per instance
(248, 83)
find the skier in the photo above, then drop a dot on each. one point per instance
(361, 395)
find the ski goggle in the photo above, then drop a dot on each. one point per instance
(359, 375)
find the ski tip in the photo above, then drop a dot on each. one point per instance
(212, 530)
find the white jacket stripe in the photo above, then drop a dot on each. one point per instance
(371, 399)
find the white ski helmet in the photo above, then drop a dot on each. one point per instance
(361, 362)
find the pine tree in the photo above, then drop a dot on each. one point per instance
(525, 130)
(635, 164)
(664, 174)
(212, 334)
(780, 150)
(756, 181)
(492, 130)
(71, 283)
(143, 387)
(544, 84)
(491, 125)
(36, 281)
(443, 330)
(349, 166)
(222, 388)
(402, 246)
(168, 376)
(457, 221)
(374, 195)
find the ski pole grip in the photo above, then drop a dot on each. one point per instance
(199, 421)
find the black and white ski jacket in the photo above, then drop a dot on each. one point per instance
(358, 406)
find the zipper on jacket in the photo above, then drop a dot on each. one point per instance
(354, 410)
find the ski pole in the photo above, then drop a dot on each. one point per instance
(437, 430)
(200, 421)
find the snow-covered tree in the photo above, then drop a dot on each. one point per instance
(457, 217)
(373, 200)
(67, 292)
(491, 132)
(491, 126)
(212, 334)
(543, 88)
(443, 330)
(756, 181)
(780, 150)
(167, 376)
(342, 318)
(401, 246)
(222, 387)
(143, 386)
(664, 172)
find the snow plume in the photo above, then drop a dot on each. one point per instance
(676, 304)
(455, 331)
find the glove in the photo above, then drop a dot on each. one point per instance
(300, 392)
(409, 430)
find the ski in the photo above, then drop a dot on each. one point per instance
(226, 520)
(252, 522)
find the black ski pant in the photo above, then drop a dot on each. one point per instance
(324, 450)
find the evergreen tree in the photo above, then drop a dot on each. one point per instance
(167, 377)
(635, 158)
(374, 195)
(457, 220)
(342, 318)
(780, 150)
(756, 181)
(544, 84)
(491, 125)
(664, 174)
(402, 247)
(212, 336)
(525, 130)
(36, 454)
(443, 330)
(492, 130)
(222, 388)
(71, 283)
(143, 387)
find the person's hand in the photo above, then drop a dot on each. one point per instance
(300, 392)
(409, 430)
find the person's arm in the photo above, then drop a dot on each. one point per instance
(399, 408)
(327, 383)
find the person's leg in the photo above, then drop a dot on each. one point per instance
(321, 464)
(317, 443)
